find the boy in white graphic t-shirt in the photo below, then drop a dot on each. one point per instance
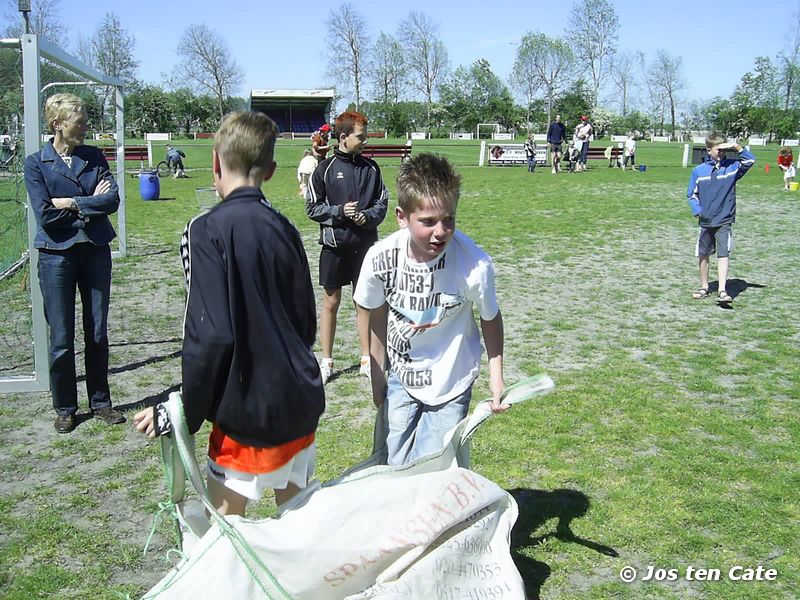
(420, 285)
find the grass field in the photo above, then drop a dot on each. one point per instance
(672, 439)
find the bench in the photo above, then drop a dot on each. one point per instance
(598, 153)
(131, 153)
(402, 151)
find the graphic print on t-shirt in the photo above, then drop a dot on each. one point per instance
(416, 307)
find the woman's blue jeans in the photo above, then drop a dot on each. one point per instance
(88, 268)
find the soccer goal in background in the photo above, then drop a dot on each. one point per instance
(31, 69)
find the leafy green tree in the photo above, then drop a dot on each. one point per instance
(574, 103)
(542, 63)
(148, 109)
(476, 95)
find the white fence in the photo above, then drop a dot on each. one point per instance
(157, 137)
(502, 136)
(619, 138)
(460, 135)
(539, 137)
(757, 141)
(790, 142)
(660, 138)
(418, 135)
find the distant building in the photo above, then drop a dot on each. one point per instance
(295, 111)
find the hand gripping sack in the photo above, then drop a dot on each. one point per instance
(427, 530)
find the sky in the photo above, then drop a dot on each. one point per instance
(281, 45)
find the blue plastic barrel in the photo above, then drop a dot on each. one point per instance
(149, 186)
(642, 168)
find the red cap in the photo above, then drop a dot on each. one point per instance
(584, 118)
(325, 128)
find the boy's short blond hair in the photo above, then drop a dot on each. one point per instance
(245, 142)
(427, 177)
(59, 107)
(715, 138)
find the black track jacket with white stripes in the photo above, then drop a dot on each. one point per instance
(336, 181)
(250, 324)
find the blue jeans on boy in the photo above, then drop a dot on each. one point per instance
(531, 164)
(416, 429)
(88, 268)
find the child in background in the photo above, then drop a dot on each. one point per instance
(304, 171)
(786, 164)
(629, 153)
(420, 285)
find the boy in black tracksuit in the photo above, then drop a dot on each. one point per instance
(249, 327)
(348, 200)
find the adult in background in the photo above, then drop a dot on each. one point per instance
(347, 198)
(319, 142)
(175, 158)
(72, 193)
(583, 133)
(556, 137)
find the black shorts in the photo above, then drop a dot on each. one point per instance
(555, 148)
(339, 267)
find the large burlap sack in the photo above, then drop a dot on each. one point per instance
(430, 529)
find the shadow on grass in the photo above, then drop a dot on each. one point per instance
(139, 363)
(734, 287)
(161, 396)
(351, 369)
(536, 507)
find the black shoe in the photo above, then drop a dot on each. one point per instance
(65, 423)
(110, 415)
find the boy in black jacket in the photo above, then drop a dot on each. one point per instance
(250, 324)
(348, 200)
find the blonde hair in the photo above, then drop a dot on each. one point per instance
(245, 142)
(59, 107)
(715, 138)
(427, 176)
(785, 151)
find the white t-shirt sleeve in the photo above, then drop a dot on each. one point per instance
(369, 291)
(481, 288)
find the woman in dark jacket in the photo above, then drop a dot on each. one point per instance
(71, 194)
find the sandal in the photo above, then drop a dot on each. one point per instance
(724, 297)
(700, 294)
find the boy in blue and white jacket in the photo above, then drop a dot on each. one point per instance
(712, 198)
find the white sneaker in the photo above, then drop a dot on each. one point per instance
(365, 369)
(553, 171)
(326, 369)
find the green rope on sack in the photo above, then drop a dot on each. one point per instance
(163, 507)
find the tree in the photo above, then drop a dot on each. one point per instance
(207, 64)
(476, 95)
(45, 21)
(387, 68)
(542, 63)
(666, 78)
(110, 50)
(148, 109)
(594, 23)
(789, 65)
(623, 74)
(426, 55)
(346, 53)
(189, 109)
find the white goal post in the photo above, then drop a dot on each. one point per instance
(492, 127)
